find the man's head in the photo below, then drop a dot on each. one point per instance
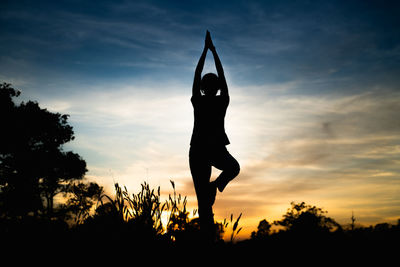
(210, 84)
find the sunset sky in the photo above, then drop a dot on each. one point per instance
(314, 86)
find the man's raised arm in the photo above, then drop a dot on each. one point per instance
(220, 70)
(197, 73)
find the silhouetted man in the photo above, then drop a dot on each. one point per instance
(207, 146)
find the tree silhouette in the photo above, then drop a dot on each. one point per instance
(81, 200)
(263, 230)
(307, 219)
(33, 166)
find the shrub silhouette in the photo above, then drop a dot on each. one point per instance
(263, 230)
(81, 198)
(307, 220)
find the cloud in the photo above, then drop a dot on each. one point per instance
(325, 129)
(337, 152)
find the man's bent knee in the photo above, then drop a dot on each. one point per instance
(235, 169)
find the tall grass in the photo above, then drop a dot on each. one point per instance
(145, 210)
(234, 226)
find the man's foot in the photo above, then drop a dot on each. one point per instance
(212, 192)
(220, 185)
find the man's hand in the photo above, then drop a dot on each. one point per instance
(209, 44)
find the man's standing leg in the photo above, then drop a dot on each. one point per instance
(201, 171)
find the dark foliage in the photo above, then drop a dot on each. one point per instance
(34, 168)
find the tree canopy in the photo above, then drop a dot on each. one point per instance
(34, 168)
(303, 218)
